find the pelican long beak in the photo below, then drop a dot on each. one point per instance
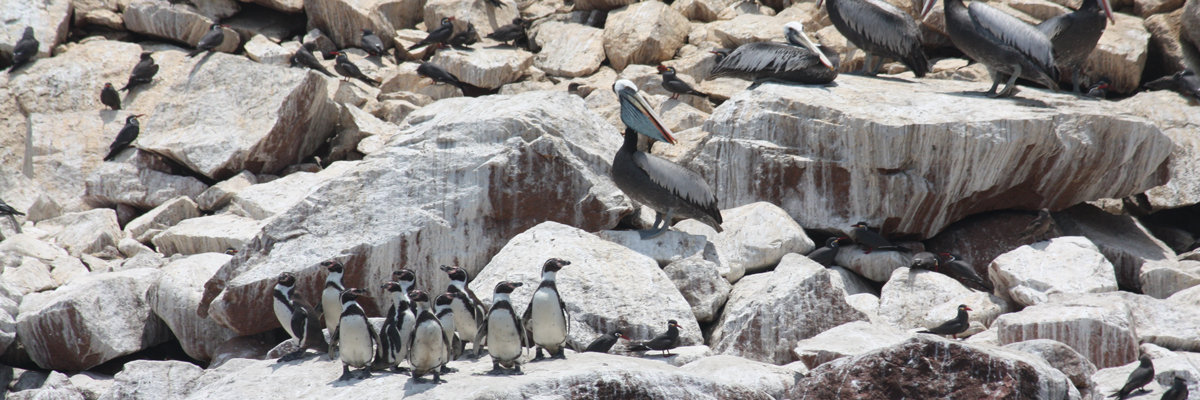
(796, 30)
(1107, 10)
(819, 3)
(926, 8)
(637, 114)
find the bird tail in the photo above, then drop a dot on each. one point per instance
(918, 63)
(193, 53)
(370, 81)
(326, 72)
(112, 154)
(638, 346)
(901, 249)
(418, 45)
(924, 332)
(126, 87)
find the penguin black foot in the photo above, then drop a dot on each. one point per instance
(346, 375)
(447, 370)
(538, 355)
(293, 356)
(516, 370)
(562, 355)
(362, 373)
(400, 370)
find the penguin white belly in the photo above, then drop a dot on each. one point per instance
(429, 349)
(464, 320)
(407, 323)
(549, 327)
(284, 315)
(448, 327)
(355, 341)
(331, 303)
(503, 340)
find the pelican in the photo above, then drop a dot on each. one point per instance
(879, 29)
(1074, 35)
(1189, 35)
(800, 60)
(1008, 46)
(667, 188)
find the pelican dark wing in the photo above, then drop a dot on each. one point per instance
(680, 181)
(882, 29)
(1009, 31)
(777, 60)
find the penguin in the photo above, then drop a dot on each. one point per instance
(439, 35)
(430, 350)
(503, 332)
(125, 137)
(331, 296)
(143, 72)
(664, 342)
(304, 56)
(605, 342)
(953, 327)
(355, 338)
(109, 97)
(371, 43)
(826, 255)
(210, 41)
(347, 69)
(468, 310)
(407, 279)
(869, 240)
(445, 314)
(676, 86)
(1140, 377)
(297, 318)
(24, 49)
(397, 327)
(546, 317)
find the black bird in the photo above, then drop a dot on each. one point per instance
(881, 30)
(371, 43)
(1009, 47)
(347, 69)
(1099, 89)
(211, 40)
(605, 342)
(664, 342)
(127, 135)
(439, 35)
(800, 60)
(869, 240)
(463, 40)
(496, 3)
(143, 72)
(297, 318)
(955, 326)
(1183, 82)
(305, 57)
(826, 255)
(1141, 376)
(924, 260)
(510, 32)
(1074, 36)
(6, 209)
(1041, 228)
(432, 71)
(950, 265)
(110, 97)
(676, 86)
(24, 49)
(1178, 390)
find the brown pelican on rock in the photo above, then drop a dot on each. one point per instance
(800, 60)
(1074, 36)
(881, 30)
(667, 188)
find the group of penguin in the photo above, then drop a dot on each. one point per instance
(430, 334)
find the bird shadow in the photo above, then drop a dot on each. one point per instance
(886, 78)
(1018, 100)
(196, 67)
(412, 388)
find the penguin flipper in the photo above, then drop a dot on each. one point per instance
(481, 337)
(333, 342)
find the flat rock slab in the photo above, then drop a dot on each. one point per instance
(643, 33)
(485, 67)
(1071, 264)
(50, 21)
(176, 295)
(181, 24)
(569, 50)
(845, 340)
(1110, 341)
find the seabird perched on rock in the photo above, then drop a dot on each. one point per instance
(1040, 228)
(395, 333)
(125, 137)
(1074, 35)
(331, 294)
(1099, 88)
(863, 236)
(676, 86)
(667, 188)
(355, 338)
(347, 69)
(439, 35)
(509, 33)
(605, 342)
(469, 312)
(210, 41)
(109, 97)
(371, 43)
(1183, 82)
(881, 30)
(800, 60)
(1141, 376)
(546, 318)
(950, 265)
(664, 342)
(953, 327)
(440, 75)
(11, 213)
(503, 332)
(304, 56)
(825, 255)
(1178, 390)
(143, 72)
(24, 50)
(430, 350)
(463, 40)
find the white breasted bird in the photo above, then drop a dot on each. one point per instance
(502, 332)
(297, 318)
(331, 296)
(430, 349)
(546, 318)
(468, 310)
(445, 314)
(355, 338)
(398, 325)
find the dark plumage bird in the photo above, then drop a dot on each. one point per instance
(143, 72)
(1074, 35)
(347, 69)
(825, 255)
(439, 35)
(664, 342)
(24, 49)
(676, 86)
(1039, 229)
(950, 265)
(955, 326)
(439, 75)
(1178, 390)
(463, 40)
(510, 32)
(881, 30)
(605, 342)
(1183, 82)
(125, 137)
(870, 240)
(1009, 47)
(1099, 89)
(305, 57)
(297, 318)
(371, 43)
(109, 97)
(924, 260)
(210, 40)
(667, 188)
(800, 60)
(496, 3)
(6, 209)
(720, 55)
(1141, 376)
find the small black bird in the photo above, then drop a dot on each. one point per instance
(1183, 82)
(496, 3)
(463, 40)
(510, 32)
(1178, 390)
(439, 35)
(6, 209)
(924, 260)
(371, 43)
(347, 69)
(110, 97)
(955, 326)
(127, 135)
(1141, 376)
(24, 49)
(605, 342)
(1099, 89)
(211, 40)
(676, 86)
(870, 240)
(664, 342)
(305, 57)
(432, 71)
(826, 255)
(143, 72)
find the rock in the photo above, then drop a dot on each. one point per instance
(1078, 267)
(54, 385)
(737, 371)
(208, 234)
(69, 147)
(815, 153)
(978, 239)
(154, 380)
(927, 367)
(877, 266)
(138, 181)
(266, 200)
(176, 295)
(702, 10)
(98, 12)
(50, 21)
(910, 295)
(849, 339)
(69, 82)
(28, 275)
(92, 385)
(643, 33)
(181, 24)
(569, 50)
(958, 69)
(356, 125)
(985, 307)
(592, 291)
(1146, 8)
(90, 320)
(85, 232)
(768, 312)
(702, 286)
(1121, 53)
(1174, 115)
(672, 246)
(1128, 245)
(252, 347)
(850, 282)
(265, 51)
(344, 20)
(1061, 357)
(406, 78)
(485, 16)
(161, 218)
(756, 236)
(1111, 339)
(747, 28)
(477, 186)
(219, 195)
(1164, 41)
(485, 67)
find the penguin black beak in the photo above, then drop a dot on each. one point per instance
(517, 284)
(445, 268)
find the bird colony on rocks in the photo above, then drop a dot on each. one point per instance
(727, 199)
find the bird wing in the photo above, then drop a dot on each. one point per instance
(1055, 26)
(1010, 31)
(481, 336)
(882, 24)
(766, 57)
(637, 114)
(680, 181)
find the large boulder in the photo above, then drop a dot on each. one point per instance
(845, 340)
(90, 321)
(767, 313)
(1167, 365)
(148, 379)
(1140, 261)
(176, 295)
(809, 144)
(701, 284)
(1110, 338)
(138, 181)
(71, 80)
(1176, 116)
(1061, 357)
(488, 68)
(911, 294)
(50, 21)
(569, 50)
(637, 297)
(146, 226)
(482, 13)
(184, 25)
(83, 232)
(754, 238)
(208, 234)
(643, 33)
(1071, 264)
(344, 20)
(459, 180)
(1121, 53)
(67, 148)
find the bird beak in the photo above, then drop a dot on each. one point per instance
(813, 47)
(819, 3)
(662, 68)
(445, 268)
(139, 115)
(517, 284)
(928, 6)
(968, 308)
(635, 99)
(1107, 10)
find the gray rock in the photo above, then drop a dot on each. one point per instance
(877, 265)
(485, 16)
(643, 33)
(138, 181)
(1112, 339)
(485, 67)
(702, 286)
(737, 371)
(849, 339)
(161, 217)
(176, 295)
(83, 232)
(1061, 357)
(209, 234)
(569, 50)
(181, 24)
(910, 295)
(145, 379)
(219, 195)
(756, 237)
(1078, 267)
(50, 21)
(672, 246)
